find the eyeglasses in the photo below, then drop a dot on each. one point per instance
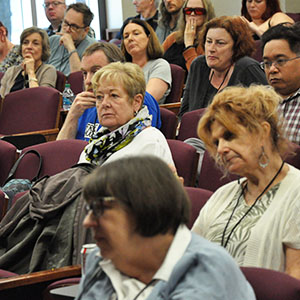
(73, 27)
(198, 11)
(280, 62)
(256, 1)
(54, 4)
(97, 207)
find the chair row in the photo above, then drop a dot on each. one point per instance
(28, 111)
(60, 155)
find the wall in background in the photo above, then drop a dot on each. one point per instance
(119, 10)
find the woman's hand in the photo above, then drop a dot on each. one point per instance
(190, 32)
(28, 64)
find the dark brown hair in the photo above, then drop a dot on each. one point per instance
(154, 48)
(272, 7)
(156, 208)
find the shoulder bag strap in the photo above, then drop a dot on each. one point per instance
(15, 166)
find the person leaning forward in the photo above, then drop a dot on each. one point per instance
(68, 46)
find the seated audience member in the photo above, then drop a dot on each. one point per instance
(126, 123)
(68, 46)
(132, 220)
(167, 22)
(262, 15)
(32, 72)
(55, 11)
(82, 120)
(141, 46)
(183, 46)
(147, 10)
(281, 53)
(48, 218)
(227, 43)
(9, 53)
(256, 218)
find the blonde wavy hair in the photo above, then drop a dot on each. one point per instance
(130, 76)
(247, 107)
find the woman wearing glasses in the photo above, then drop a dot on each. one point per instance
(183, 46)
(227, 43)
(32, 72)
(138, 211)
(263, 14)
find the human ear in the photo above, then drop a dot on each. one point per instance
(266, 129)
(137, 102)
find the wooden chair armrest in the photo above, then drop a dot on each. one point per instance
(50, 134)
(174, 107)
(38, 277)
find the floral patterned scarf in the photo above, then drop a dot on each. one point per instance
(104, 143)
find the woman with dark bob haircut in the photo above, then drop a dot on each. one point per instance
(138, 211)
(227, 44)
(141, 46)
(256, 218)
(263, 14)
(32, 72)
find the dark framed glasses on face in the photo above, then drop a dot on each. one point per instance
(97, 205)
(198, 11)
(73, 27)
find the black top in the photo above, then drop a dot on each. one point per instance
(199, 91)
(20, 82)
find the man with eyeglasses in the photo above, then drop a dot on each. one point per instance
(169, 15)
(68, 45)
(55, 11)
(281, 62)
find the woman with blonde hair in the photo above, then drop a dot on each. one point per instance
(183, 46)
(256, 218)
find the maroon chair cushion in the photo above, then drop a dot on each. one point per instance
(59, 284)
(211, 177)
(60, 81)
(169, 123)
(272, 285)
(29, 110)
(7, 158)
(57, 156)
(178, 78)
(186, 160)
(76, 82)
(258, 55)
(294, 16)
(198, 198)
(294, 158)
(189, 123)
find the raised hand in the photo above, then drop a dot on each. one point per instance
(190, 32)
